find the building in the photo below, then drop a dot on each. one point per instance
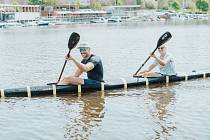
(19, 12)
(58, 10)
(123, 10)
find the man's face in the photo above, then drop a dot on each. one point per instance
(84, 51)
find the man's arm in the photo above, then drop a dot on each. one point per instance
(77, 73)
(82, 67)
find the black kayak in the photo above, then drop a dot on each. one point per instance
(49, 90)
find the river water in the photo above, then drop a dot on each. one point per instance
(34, 56)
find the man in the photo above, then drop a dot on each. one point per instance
(165, 62)
(91, 64)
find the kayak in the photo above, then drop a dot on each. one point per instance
(121, 83)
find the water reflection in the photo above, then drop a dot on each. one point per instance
(89, 115)
(162, 99)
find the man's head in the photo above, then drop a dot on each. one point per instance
(84, 49)
(162, 49)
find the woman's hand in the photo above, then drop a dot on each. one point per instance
(153, 55)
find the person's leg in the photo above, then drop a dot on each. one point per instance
(151, 74)
(72, 80)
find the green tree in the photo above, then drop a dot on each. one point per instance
(138, 2)
(175, 5)
(202, 5)
(36, 2)
(121, 2)
(51, 2)
(43, 2)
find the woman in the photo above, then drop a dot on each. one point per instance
(165, 63)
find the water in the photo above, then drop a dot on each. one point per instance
(34, 55)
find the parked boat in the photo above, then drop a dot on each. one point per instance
(27, 24)
(43, 23)
(2, 25)
(12, 23)
(114, 19)
(108, 85)
(99, 20)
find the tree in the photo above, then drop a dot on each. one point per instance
(138, 2)
(43, 2)
(120, 2)
(36, 2)
(202, 5)
(175, 5)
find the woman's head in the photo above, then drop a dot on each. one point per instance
(162, 49)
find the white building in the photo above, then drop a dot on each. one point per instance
(19, 12)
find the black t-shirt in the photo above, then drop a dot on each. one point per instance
(97, 72)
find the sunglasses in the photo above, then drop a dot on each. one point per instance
(83, 49)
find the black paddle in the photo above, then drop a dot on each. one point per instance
(73, 40)
(163, 39)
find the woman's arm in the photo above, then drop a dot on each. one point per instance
(151, 67)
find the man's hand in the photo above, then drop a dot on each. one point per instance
(68, 58)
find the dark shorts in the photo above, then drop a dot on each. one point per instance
(165, 74)
(90, 81)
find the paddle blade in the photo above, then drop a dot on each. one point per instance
(164, 38)
(73, 40)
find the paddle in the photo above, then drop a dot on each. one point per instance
(163, 39)
(73, 40)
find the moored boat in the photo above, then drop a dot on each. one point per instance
(99, 20)
(114, 19)
(43, 23)
(2, 25)
(108, 85)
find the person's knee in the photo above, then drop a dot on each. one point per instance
(146, 74)
(65, 79)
